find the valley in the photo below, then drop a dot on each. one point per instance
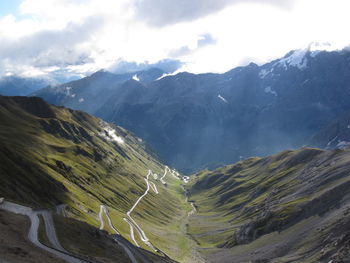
(59, 164)
(293, 205)
(162, 131)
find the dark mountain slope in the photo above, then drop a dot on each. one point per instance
(90, 93)
(334, 135)
(290, 207)
(197, 121)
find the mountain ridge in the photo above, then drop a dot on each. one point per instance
(247, 111)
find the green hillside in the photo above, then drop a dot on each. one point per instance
(290, 207)
(53, 155)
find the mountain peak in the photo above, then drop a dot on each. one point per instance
(295, 58)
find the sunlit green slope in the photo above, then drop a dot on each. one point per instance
(290, 207)
(53, 155)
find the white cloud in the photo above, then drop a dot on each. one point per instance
(165, 12)
(82, 36)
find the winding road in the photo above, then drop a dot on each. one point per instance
(165, 172)
(117, 237)
(103, 208)
(132, 223)
(57, 248)
(33, 215)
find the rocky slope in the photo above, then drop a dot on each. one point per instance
(208, 120)
(54, 156)
(290, 207)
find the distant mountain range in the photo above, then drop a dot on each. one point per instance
(206, 120)
(20, 86)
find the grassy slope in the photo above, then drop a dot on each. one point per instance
(280, 207)
(53, 155)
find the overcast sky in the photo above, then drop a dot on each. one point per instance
(82, 36)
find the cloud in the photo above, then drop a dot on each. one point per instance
(78, 37)
(48, 48)
(166, 12)
(180, 52)
(203, 41)
(167, 65)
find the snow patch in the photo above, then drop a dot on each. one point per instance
(167, 75)
(110, 134)
(264, 73)
(186, 179)
(135, 77)
(81, 100)
(315, 53)
(331, 141)
(343, 144)
(296, 59)
(66, 91)
(348, 126)
(222, 98)
(271, 91)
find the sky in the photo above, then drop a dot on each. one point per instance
(79, 37)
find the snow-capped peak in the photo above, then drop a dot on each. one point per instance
(296, 58)
(299, 58)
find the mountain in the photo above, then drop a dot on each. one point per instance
(90, 93)
(56, 158)
(19, 86)
(290, 207)
(207, 120)
(335, 135)
(107, 196)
